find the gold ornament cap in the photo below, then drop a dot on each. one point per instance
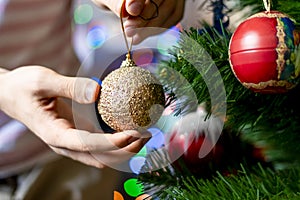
(128, 62)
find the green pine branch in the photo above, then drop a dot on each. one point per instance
(270, 121)
(290, 7)
(263, 184)
(272, 118)
(246, 182)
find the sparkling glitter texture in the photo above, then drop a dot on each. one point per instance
(131, 98)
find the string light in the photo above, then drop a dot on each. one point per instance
(83, 14)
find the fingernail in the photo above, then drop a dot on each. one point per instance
(90, 91)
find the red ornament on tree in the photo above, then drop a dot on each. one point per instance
(193, 140)
(264, 53)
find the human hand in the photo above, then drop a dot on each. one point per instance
(35, 96)
(145, 13)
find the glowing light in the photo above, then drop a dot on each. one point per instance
(97, 80)
(168, 40)
(83, 14)
(133, 188)
(179, 27)
(142, 56)
(143, 197)
(136, 163)
(118, 196)
(142, 152)
(96, 37)
(166, 122)
(157, 140)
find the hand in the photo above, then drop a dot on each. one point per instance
(34, 95)
(167, 13)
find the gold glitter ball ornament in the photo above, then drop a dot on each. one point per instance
(131, 98)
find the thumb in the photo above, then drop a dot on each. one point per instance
(85, 90)
(79, 89)
(134, 7)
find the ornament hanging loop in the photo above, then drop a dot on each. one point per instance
(129, 47)
(267, 5)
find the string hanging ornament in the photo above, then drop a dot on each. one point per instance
(267, 5)
(264, 52)
(131, 97)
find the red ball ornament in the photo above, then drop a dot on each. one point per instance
(264, 53)
(193, 140)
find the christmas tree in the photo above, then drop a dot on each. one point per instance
(257, 154)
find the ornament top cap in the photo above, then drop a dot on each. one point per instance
(128, 62)
(270, 14)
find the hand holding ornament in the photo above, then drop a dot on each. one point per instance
(40, 104)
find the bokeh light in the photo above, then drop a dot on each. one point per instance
(96, 37)
(142, 152)
(143, 56)
(157, 140)
(167, 40)
(136, 163)
(133, 188)
(83, 14)
(144, 197)
(118, 196)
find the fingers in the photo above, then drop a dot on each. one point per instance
(64, 109)
(84, 157)
(58, 134)
(75, 117)
(130, 7)
(146, 13)
(134, 7)
(141, 34)
(166, 19)
(169, 14)
(108, 142)
(110, 158)
(106, 158)
(151, 9)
